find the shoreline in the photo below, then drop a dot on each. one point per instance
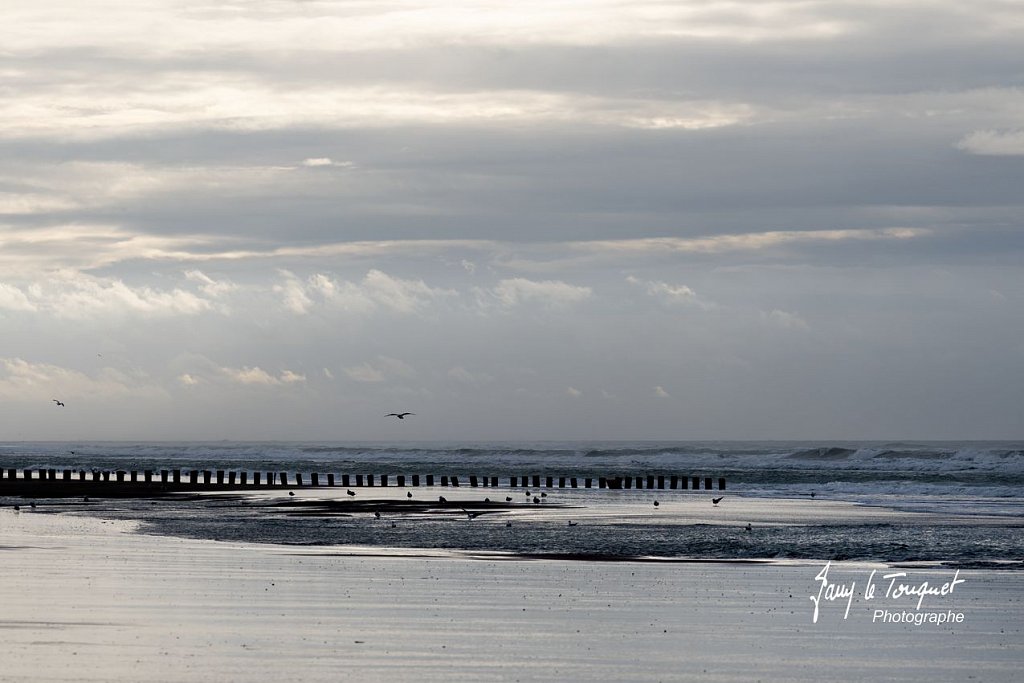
(88, 599)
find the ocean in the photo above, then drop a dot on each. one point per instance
(947, 503)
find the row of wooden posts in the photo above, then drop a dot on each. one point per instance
(232, 478)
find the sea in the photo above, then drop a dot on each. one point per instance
(943, 503)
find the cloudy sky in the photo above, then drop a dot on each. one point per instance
(611, 219)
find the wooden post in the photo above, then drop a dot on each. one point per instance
(601, 482)
(193, 477)
(369, 480)
(298, 479)
(561, 482)
(721, 483)
(628, 482)
(473, 480)
(53, 475)
(330, 478)
(120, 476)
(207, 476)
(572, 482)
(231, 477)
(401, 481)
(315, 479)
(512, 482)
(345, 479)
(133, 476)
(256, 477)
(359, 480)
(67, 475)
(147, 476)
(244, 477)
(455, 481)
(444, 480)
(588, 483)
(548, 482)
(81, 475)
(673, 482)
(661, 481)
(176, 474)
(430, 480)
(494, 482)
(383, 480)
(707, 483)
(415, 480)
(220, 476)
(284, 479)
(536, 481)
(650, 481)
(695, 483)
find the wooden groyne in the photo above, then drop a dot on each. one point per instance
(44, 482)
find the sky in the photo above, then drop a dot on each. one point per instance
(611, 219)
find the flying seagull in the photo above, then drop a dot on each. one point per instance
(400, 416)
(716, 501)
(60, 403)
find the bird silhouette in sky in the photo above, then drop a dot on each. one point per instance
(716, 501)
(400, 416)
(60, 403)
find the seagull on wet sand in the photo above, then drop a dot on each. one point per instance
(408, 494)
(350, 492)
(716, 501)
(400, 416)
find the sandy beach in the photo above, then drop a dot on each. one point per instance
(84, 599)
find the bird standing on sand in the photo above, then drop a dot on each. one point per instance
(442, 499)
(408, 494)
(656, 503)
(748, 527)
(400, 416)
(60, 403)
(572, 523)
(350, 492)
(716, 501)
(376, 514)
(508, 499)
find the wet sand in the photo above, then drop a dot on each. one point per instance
(90, 600)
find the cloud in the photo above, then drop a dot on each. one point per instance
(784, 319)
(364, 373)
(382, 368)
(376, 291)
(572, 391)
(258, 376)
(77, 296)
(13, 299)
(670, 294)
(326, 162)
(993, 143)
(660, 392)
(188, 380)
(519, 291)
(27, 380)
(464, 376)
